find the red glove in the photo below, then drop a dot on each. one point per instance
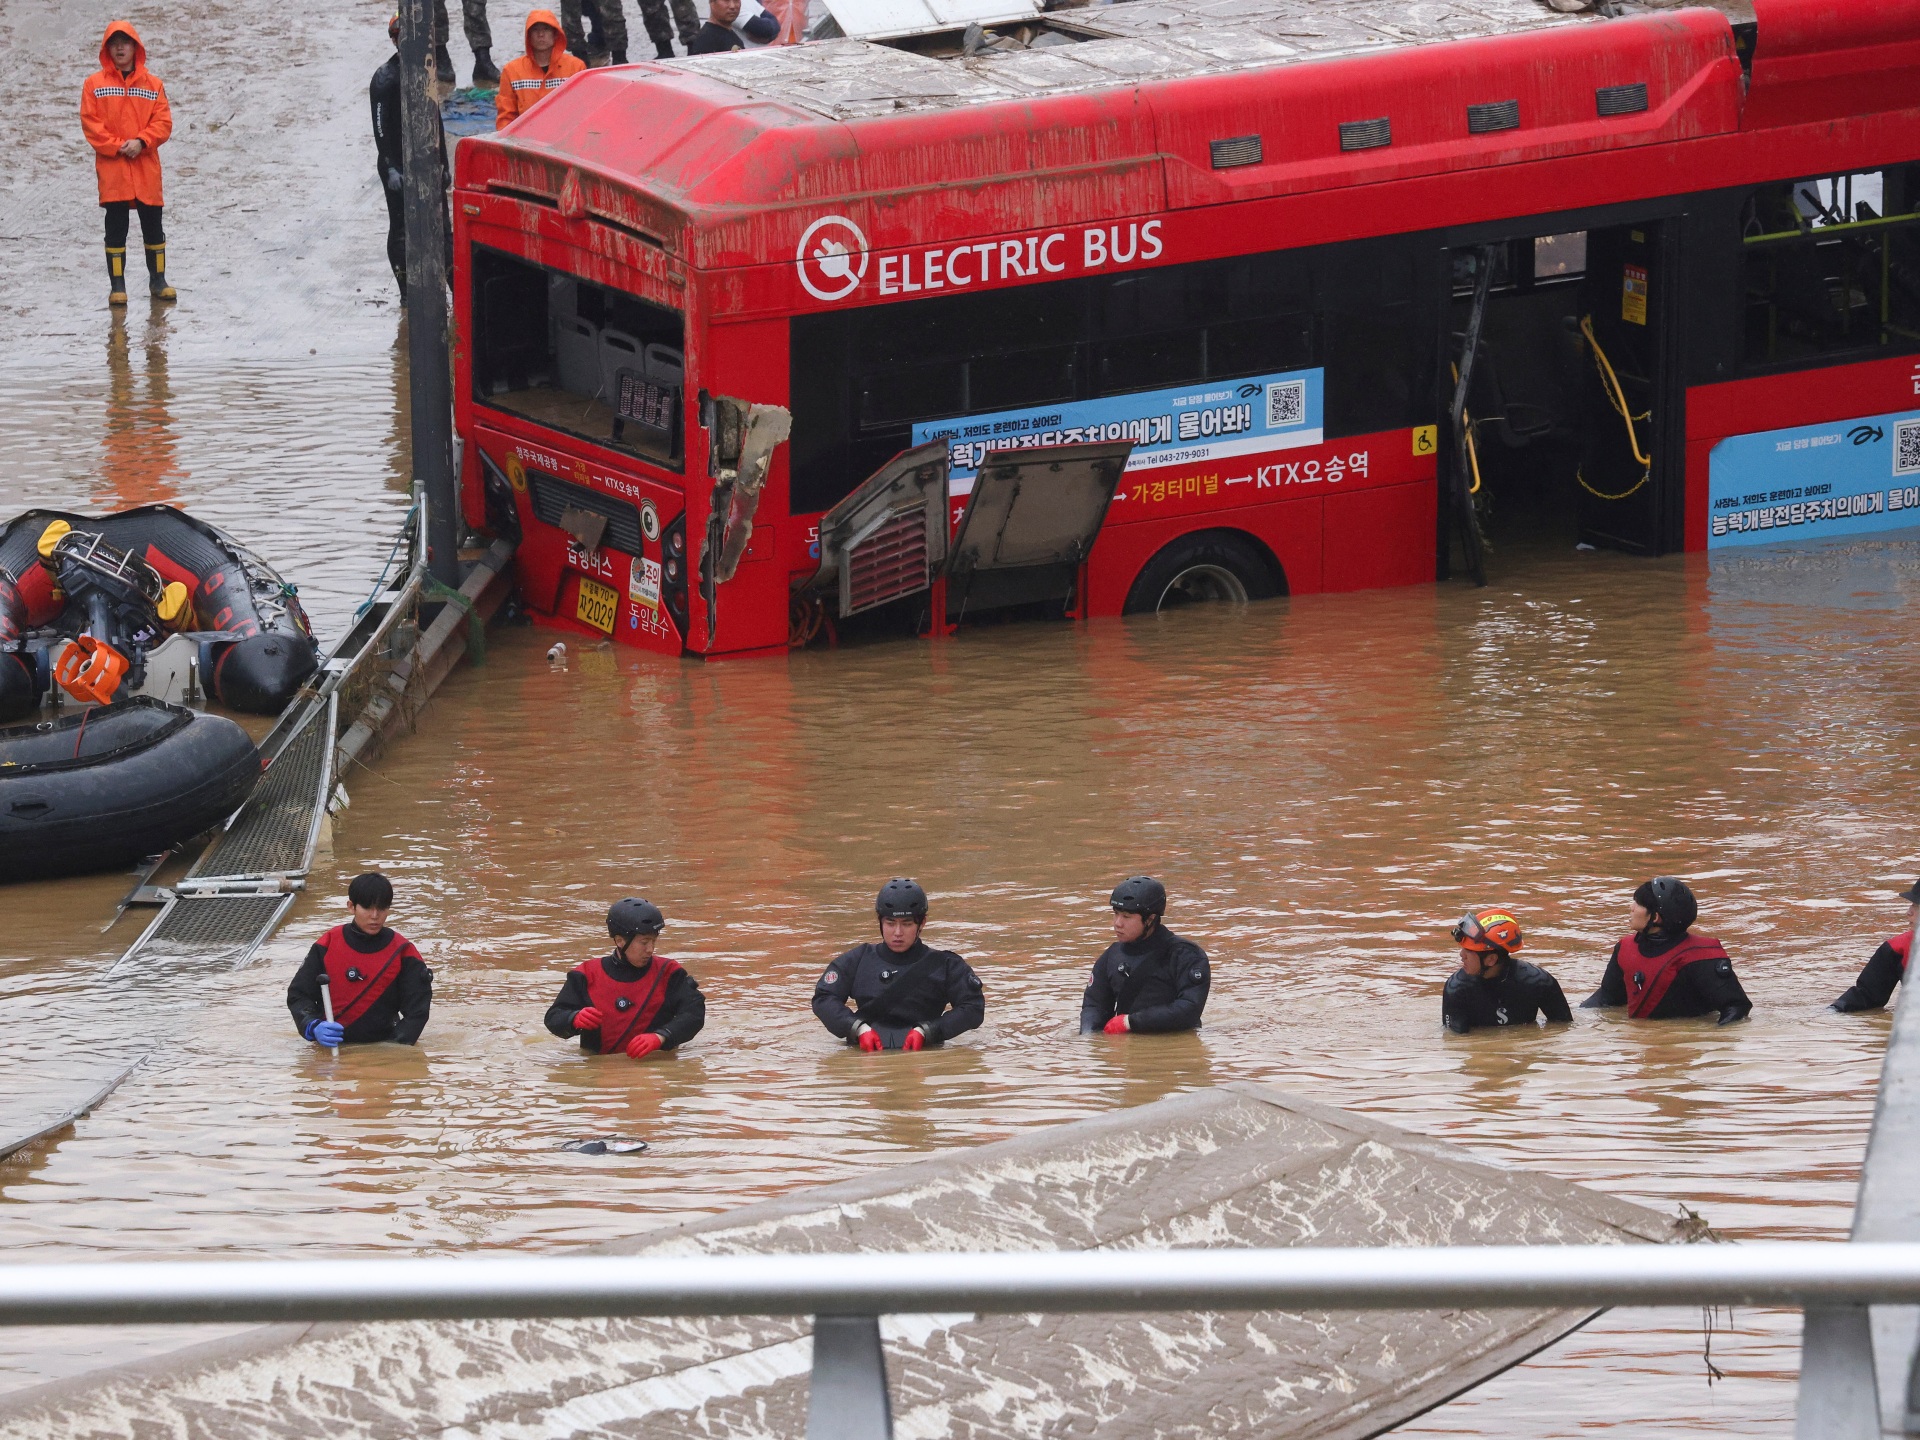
(870, 1041)
(914, 1041)
(1117, 1026)
(643, 1045)
(586, 1018)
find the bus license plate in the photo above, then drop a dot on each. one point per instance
(598, 605)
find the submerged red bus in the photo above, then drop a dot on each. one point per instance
(1167, 304)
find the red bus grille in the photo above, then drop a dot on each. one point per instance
(889, 563)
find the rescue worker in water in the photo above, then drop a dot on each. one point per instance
(1887, 966)
(630, 999)
(904, 995)
(1149, 981)
(1493, 988)
(379, 987)
(1660, 972)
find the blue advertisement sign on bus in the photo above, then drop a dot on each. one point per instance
(1841, 478)
(1188, 424)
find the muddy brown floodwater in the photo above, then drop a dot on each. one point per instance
(1323, 783)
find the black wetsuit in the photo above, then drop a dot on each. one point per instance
(1706, 987)
(1883, 970)
(1520, 996)
(399, 1015)
(1159, 982)
(932, 989)
(383, 93)
(682, 1013)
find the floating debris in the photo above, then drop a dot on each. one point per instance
(616, 1146)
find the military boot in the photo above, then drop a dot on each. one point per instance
(443, 66)
(485, 72)
(117, 275)
(663, 49)
(619, 56)
(157, 284)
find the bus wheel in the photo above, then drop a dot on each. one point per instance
(1217, 566)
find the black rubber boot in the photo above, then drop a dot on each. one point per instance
(663, 49)
(485, 72)
(157, 284)
(117, 275)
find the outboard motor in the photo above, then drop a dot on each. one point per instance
(129, 610)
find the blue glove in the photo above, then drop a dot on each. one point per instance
(326, 1032)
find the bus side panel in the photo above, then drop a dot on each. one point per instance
(1290, 529)
(1376, 538)
(749, 362)
(1831, 394)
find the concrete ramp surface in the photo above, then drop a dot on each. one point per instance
(1239, 1166)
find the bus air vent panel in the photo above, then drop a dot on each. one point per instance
(1485, 119)
(1366, 134)
(1621, 99)
(889, 563)
(553, 497)
(866, 554)
(1238, 150)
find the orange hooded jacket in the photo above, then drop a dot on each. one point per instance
(116, 108)
(523, 84)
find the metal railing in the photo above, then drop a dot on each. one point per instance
(849, 1399)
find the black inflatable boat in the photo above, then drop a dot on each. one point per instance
(100, 788)
(121, 585)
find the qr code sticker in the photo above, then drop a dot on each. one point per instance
(1287, 404)
(1906, 447)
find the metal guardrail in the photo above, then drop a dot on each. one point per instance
(849, 1399)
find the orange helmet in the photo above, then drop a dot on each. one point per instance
(1485, 930)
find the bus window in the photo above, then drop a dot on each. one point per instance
(861, 379)
(1560, 257)
(579, 357)
(1830, 266)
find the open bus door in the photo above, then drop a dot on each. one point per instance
(1628, 476)
(1560, 402)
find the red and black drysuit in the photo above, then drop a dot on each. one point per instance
(381, 988)
(1671, 977)
(1519, 995)
(659, 996)
(934, 991)
(1159, 982)
(1883, 970)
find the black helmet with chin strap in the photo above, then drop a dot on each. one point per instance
(1140, 895)
(1672, 901)
(901, 899)
(628, 918)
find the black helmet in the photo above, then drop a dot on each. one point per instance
(1140, 895)
(901, 899)
(1673, 902)
(631, 917)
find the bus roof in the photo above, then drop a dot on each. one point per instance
(1097, 46)
(1148, 106)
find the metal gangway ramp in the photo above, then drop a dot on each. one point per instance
(233, 897)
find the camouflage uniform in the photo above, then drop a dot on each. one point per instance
(614, 24)
(473, 20)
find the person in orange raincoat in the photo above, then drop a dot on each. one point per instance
(528, 79)
(126, 119)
